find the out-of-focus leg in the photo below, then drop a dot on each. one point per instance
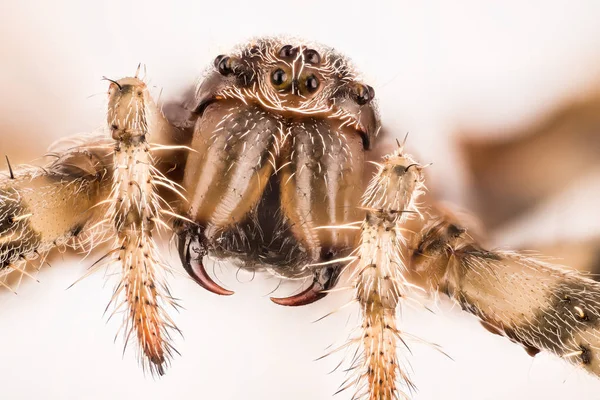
(52, 206)
(532, 302)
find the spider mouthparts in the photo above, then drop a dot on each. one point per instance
(197, 271)
(311, 294)
(325, 279)
(191, 252)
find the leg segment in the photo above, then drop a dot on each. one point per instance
(539, 305)
(45, 207)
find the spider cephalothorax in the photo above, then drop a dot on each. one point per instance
(284, 126)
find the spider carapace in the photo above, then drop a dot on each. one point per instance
(269, 170)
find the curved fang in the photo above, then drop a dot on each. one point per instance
(192, 252)
(325, 279)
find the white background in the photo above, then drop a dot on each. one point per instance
(436, 67)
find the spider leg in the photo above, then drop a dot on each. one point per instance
(530, 301)
(52, 206)
(583, 255)
(379, 278)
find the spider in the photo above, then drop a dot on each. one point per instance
(270, 170)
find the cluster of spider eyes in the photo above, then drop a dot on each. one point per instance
(282, 78)
(283, 81)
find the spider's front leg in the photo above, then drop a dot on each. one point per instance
(390, 201)
(52, 206)
(532, 302)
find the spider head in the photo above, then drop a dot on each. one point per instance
(295, 80)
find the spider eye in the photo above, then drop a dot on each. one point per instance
(312, 57)
(287, 52)
(311, 83)
(363, 94)
(223, 65)
(278, 77)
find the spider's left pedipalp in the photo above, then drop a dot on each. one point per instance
(378, 277)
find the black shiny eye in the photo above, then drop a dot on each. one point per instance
(312, 57)
(218, 60)
(371, 92)
(363, 94)
(278, 77)
(311, 83)
(223, 65)
(287, 52)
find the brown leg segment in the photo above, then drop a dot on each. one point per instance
(41, 208)
(534, 303)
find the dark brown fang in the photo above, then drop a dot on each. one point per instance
(313, 293)
(192, 252)
(325, 279)
(197, 271)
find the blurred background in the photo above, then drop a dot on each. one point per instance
(503, 98)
